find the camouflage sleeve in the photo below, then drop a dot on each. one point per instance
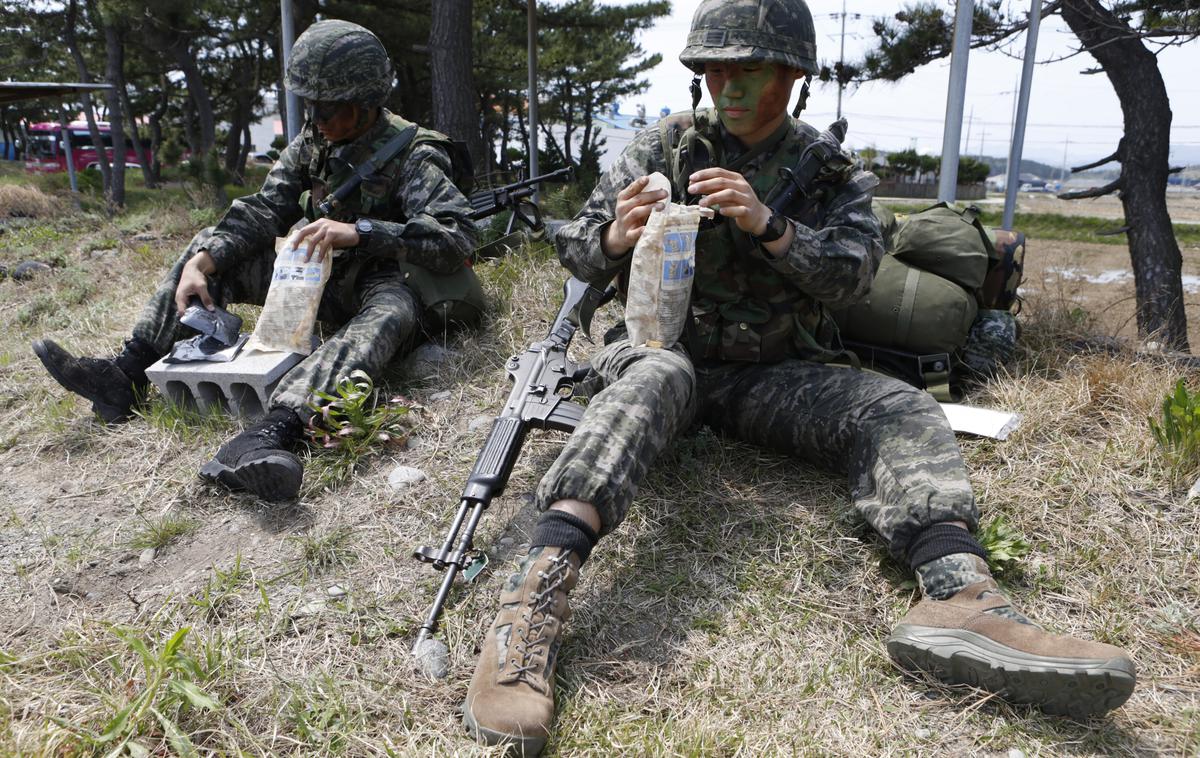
(437, 233)
(836, 263)
(578, 242)
(254, 221)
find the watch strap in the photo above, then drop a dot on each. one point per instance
(776, 227)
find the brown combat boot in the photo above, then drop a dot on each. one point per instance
(511, 698)
(974, 638)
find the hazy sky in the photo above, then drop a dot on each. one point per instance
(1068, 113)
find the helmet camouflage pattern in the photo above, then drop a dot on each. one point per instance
(337, 61)
(744, 31)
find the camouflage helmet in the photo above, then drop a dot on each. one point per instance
(742, 31)
(337, 61)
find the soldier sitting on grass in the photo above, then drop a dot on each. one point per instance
(753, 366)
(408, 215)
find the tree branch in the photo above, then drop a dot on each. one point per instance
(1116, 156)
(1107, 189)
(1175, 169)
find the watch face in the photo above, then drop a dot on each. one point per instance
(363, 226)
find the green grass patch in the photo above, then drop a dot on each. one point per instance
(160, 532)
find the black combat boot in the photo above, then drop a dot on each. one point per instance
(112, 384)
(260, 459)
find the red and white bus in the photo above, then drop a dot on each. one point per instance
(47, 155)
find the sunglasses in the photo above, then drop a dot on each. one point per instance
(322, 111)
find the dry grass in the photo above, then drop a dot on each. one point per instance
(739, 611)
(26, 202)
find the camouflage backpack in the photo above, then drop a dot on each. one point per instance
(940, 309)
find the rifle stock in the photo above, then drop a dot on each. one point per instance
(543, 384)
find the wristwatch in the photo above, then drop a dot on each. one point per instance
(365, 228)
(776, 227)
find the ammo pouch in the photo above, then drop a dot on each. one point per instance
(450, 300)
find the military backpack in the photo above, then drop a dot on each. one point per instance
(941, 306)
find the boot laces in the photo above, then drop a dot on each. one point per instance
(533, 638)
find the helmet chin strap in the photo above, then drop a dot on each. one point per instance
(802, 102)
(694, 88)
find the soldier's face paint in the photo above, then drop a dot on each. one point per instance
(751, 98)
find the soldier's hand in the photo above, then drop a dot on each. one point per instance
(324, 235)
(731, 195)
(193, 282)
(633, 209)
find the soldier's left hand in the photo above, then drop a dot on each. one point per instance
(324, 235)
(732, 196)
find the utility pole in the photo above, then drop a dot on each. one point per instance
(533, 114)
(841, 59)
(1018, 140)
(287, 37)
(970, 121)
(955, 99)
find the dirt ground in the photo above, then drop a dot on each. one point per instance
(1098, 279)
(1183, 205)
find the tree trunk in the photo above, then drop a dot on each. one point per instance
(181, 53)
(114, 51)
(136, 138)
(89, 110)
(1153, 250)
(454, 110)
(156, 117)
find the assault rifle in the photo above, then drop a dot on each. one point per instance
(515, 197)
(544, 381)
(824, 151)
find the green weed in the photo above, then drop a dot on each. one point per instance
(1004, 543)
(319, 713)
(160, 532)
(186, 422)
(171, 689)
(35, 310)
(1177, 433)
(351, 422)
(320, 552)
(221, 589)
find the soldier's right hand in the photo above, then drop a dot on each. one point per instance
(193, 282)
(633, 209)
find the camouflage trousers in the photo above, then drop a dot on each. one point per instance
(904, 465)
(376, 315)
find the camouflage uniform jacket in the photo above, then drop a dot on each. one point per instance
(418, 214)
(747, 305)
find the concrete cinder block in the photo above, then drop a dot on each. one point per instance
(240, 387)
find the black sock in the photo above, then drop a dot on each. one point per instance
(940, 540)
(561, 529)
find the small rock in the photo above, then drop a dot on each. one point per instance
(336, 590)
(311, 608)
(93, 563)
(437, 397)
(65, 585)
(145, 237)
(506, 541)
(147, 557)
(404, 476)
(1016, 753)
(234, 528)
(106, 252)
(29, 269)
(479, 422)
(433, 658)
(923, 734)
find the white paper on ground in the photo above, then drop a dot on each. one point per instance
(982, 422)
